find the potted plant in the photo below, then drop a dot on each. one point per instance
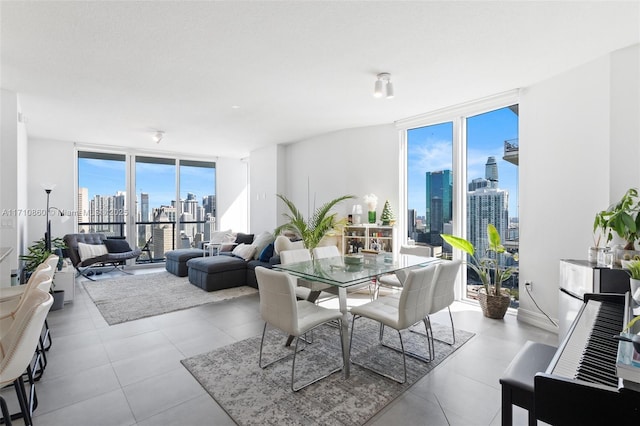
(494, 300)
(37, 254)
(623, 218)
(311, 231)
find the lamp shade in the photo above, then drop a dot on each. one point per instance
(390, 93)
(378, 89)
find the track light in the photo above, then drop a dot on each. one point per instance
(383, 86)
(158, 136)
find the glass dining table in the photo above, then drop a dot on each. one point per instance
(345, 272)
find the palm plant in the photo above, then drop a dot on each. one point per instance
(317, 226)
(38, 253)
(486, 267)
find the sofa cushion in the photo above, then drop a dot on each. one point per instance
(245, 251)
(89, 251)
(266, 253)
(244, 238)
(214, 264)
(117, 245)
(261, 241)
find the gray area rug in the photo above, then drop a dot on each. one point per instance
(252, 396)
(138, 296)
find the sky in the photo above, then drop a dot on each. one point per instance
(430, 148)
(106, 177)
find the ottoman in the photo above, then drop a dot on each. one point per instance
(217, 272)
(176, 262)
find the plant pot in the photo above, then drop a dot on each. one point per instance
(494, 306)
(634, 287)
(58, 300)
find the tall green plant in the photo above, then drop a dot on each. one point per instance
(487, 266)
(319, 224)
(38, 253)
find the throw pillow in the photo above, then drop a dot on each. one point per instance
(89, 251)
(222, 237)
(261, 241)
(266, 254)
(244, 251)
(244, 238)
(117, 246)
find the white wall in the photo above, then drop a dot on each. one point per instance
(264, 180)
(50, 161)
(232, 193)
(352, 161)
(12, 183)
(578, 153)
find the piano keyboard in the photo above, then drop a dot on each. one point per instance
(590, 351)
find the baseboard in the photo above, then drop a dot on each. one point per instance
(537, 320)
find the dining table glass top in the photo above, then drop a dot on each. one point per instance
(337, 272)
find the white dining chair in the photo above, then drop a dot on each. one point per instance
(305, 290)
(280, 309)
(444, 293)
(400, 313)
(18, 345)
(395, 280)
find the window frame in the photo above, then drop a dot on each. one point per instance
(457, 115)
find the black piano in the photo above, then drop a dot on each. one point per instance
(580, 385)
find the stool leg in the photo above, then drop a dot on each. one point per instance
(507, 412)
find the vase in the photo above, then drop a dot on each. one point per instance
(494, 306)
(372, 216)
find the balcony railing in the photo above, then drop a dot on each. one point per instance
(154, 238)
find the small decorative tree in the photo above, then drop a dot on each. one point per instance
(387, 214)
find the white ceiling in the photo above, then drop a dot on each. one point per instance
(111, 73)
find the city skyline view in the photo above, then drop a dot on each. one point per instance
(430, 149)
(107, 177)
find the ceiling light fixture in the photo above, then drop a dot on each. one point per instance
(383, 86)
(158, 136)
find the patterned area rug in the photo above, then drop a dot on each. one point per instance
(252, 396)
(138, 296)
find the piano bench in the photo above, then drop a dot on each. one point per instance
(517, 381)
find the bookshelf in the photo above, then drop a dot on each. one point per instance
(368, 236)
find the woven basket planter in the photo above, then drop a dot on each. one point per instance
(494, 306)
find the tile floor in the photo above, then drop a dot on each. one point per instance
(130, 374)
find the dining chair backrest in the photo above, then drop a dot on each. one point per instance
(325, 251)
(415, 298)
(293, 256)
(278, 305)
(52, 261)
(423, 251)
(19, 343)
(39, 281)
(444, 290)
(43, 269)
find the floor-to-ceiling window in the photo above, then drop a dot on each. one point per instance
(197, 195)
(492, 188)
(162, 203)
(102, 186)
(461, 173)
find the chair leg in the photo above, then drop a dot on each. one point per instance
(388, 376)
(506, 413)
(293, 364)
(47, 336)
(6, 415)
(22, 399)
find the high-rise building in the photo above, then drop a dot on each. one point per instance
(485, 206)
(209, 204)
(439, 198)
(491, 171)
(144, 231)
(83, 205)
